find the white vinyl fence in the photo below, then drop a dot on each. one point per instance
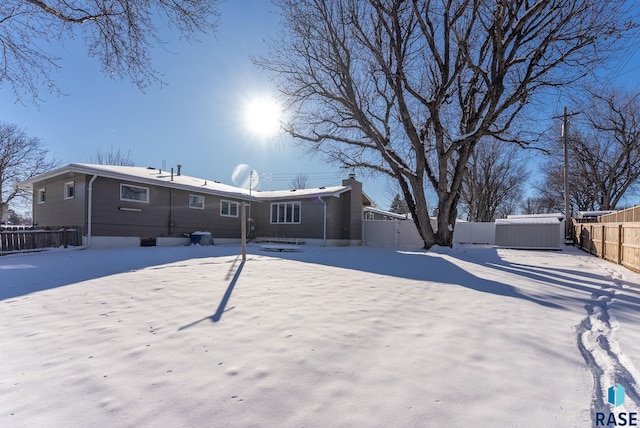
(403, 234)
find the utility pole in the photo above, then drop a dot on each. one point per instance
(565, 145)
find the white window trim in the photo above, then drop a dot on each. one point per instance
(224, 201)
(134, 200)
(67, 185)
(292, 203)
(42, 192)
(196, 207)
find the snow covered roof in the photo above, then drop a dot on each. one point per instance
(592, 214)
(149, 175)
(387, 213)
(532, 219)
(298, 193)
(158, 177)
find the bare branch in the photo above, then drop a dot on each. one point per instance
(119, 33)
(410, 88)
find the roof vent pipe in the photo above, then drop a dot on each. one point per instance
(179, 168)
(171, 174)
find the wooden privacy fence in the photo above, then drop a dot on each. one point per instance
(630, 215)
(14, 240)
(616, 242)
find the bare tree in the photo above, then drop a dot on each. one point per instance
(606, 149)
(119, 33)
(113, 157)
(300, 182)
(493, 184)
(21, 157)
(603, 148)
(408, 88)
(540, 205)
(550, 192)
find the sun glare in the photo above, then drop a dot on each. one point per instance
(262, 116)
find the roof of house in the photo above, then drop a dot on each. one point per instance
(157, 177)
(302, 193)
(387, 213)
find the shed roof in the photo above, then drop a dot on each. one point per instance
(551, 218)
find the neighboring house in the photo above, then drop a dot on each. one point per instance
(124, 205)
(373, 213)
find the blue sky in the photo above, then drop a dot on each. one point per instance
(197, 119)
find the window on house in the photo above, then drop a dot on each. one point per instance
(133, 193)
(196, 202)
(42, 196)
(228, 208)
(69, 190)
(370, 216)
(285, 212)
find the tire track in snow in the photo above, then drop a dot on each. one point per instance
(601, 351)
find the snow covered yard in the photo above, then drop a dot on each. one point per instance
(346, 337)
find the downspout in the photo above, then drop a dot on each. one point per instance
(89, 208)
(324, 215)
(171, 217)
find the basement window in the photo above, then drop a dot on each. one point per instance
(131, 193)
(196, 202)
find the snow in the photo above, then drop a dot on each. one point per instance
(349, 336)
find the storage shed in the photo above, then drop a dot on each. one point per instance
(537, 232)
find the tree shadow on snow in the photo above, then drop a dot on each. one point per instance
(422, 266)
(593, 286)
(22, 274)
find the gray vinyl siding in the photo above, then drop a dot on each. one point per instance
(58, 211)
(156, 219)
(167, 213)
(311, 224)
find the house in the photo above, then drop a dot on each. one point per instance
(127, 206)
(373, 213)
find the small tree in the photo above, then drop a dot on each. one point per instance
(120, 34)
(493, 183)
(21, 157)
(300, 182)
(399, 205)
(540, 205)
(113, 157)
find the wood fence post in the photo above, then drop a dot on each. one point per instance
(65, 237)
(620, 236)
(604, 234)
(581, 237)
(591, 243)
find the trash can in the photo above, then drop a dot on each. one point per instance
(201, 238)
